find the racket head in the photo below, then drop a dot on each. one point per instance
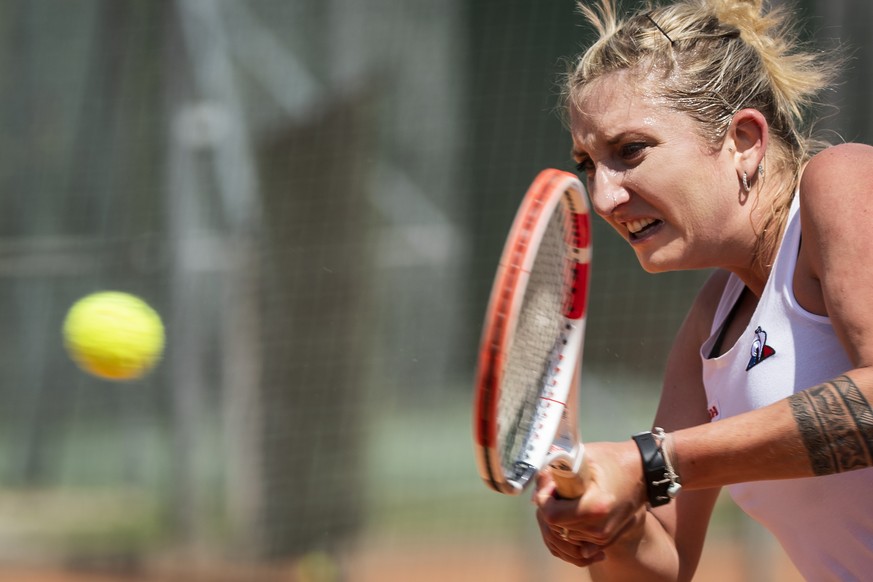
(531, 345)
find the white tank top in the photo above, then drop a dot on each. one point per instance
(825, 524)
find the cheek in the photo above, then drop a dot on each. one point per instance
(709, 200)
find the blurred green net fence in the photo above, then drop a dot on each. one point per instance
(313, 195)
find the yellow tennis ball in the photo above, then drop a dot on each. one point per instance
(114, 335)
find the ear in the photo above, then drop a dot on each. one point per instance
(747, 139)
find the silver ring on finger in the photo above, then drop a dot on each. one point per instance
(564, 534)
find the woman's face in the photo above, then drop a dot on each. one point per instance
(675, 198)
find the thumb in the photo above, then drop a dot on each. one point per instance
(545, 488)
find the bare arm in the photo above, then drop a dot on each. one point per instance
(664, 543)
(822, 430)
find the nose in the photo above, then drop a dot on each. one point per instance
(607, 191)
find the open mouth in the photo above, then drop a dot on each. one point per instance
(638, 229)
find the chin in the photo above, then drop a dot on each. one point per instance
(660, 265)
(656, 269)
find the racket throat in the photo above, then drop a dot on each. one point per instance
(522, 475)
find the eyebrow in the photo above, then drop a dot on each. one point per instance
(611, 142)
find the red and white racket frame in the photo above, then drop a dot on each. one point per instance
(554, 439)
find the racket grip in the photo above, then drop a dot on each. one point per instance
(570, 473)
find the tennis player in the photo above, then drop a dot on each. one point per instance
(690, 123)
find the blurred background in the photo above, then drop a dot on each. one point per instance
(313, 194)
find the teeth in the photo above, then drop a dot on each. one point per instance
(635, 226)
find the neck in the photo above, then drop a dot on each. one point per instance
(753, 279)
(774, 204)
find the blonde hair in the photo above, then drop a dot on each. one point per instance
(717, 57)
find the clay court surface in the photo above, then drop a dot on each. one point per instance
(723, 563)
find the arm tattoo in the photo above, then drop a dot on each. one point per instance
(836, 424)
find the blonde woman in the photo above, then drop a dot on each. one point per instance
(687, 121)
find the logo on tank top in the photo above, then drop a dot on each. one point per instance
(760, 350)
(713, 411)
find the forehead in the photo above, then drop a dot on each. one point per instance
(621, 102)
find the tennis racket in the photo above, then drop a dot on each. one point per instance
(531, 347)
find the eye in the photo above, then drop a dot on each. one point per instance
(584, 165)
(632, 150)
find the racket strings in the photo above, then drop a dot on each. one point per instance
(532, 355)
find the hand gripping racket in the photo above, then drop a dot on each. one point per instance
(531, 348)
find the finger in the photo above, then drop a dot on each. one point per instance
(574, 554)
(556, 535)
(561, 532)
(567, 539)
(561, 544)
(618, 530)
(544, 491)
(589, 551)
(543, 478)
(586, 548)
(554, 509)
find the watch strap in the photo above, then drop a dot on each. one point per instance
(654, 468)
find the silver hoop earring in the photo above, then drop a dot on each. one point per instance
(746, 182)
(761, 170)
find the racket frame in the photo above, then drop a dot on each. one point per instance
(553, 439)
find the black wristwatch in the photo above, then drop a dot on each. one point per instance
(661, 484)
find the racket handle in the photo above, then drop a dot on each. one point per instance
(570, 473)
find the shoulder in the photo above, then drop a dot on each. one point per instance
(836, 216)
(683, 398)
(697, 325)
(836, 190)
(712, 290)
(700, 316)
(837, 172)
